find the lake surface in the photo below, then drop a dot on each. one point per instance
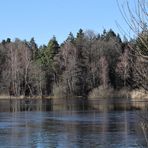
(70, 127)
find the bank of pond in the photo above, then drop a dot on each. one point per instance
(79, 103)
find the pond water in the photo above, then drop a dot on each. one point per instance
(71, 128)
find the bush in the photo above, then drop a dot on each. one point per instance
(122, 93)
(101, 93)
(58, 91)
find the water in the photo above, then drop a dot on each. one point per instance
(69, 128)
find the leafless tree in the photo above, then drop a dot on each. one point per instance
(20, 71)
(137, 20)
(66, 59)
(104, 72)
(13, 70)
(123, 66)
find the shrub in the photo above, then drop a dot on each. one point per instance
(101, 93)
(58, 91)
(122, 93)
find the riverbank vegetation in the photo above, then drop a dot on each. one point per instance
(87, 64)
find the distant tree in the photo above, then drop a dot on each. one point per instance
(73, 60)
(104, 71)
(48, 53)
(8, 40)
(80, 66)
(18, 72)
(70, 38)
(47, 60)
(34, 48)
(111, 48)
(109, 35)
(3, 42)
(3, 57)
(123, 67)
(67, 63)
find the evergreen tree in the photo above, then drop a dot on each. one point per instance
(48, 53)
(47, 59)
(70, 38)
(80, 67)
(34, 48)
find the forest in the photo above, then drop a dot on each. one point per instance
(82, 65)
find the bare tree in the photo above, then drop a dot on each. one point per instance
(13, 68)
(104, 72)
(137, 19)
(66, 61)
(123, 66)
(21, 72)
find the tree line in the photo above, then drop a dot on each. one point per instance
(76, 67)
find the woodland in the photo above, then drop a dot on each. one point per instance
(81, 65)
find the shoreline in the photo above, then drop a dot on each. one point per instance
(7, 97)
(135, 95)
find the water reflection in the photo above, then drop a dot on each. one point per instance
(15, 105)
(78, 104)
(69, 129)
(70, 124)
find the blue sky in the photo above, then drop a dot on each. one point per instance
(42, 19)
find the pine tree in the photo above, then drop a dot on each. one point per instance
(33, 47)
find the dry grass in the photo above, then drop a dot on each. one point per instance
(101, 93)
(139, 94)
(58, 91)
(122, 94)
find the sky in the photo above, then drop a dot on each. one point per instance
(42, 19)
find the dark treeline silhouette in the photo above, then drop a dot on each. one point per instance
(78, 66)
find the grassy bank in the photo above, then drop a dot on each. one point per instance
(108, 93)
